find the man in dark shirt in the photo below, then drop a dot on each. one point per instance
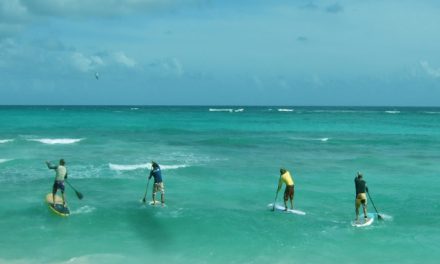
(158, 183)
(361, 197)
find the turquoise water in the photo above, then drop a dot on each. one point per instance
(220, 171)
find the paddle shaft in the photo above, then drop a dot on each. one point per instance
(146, 190)
(78, 194)
(276, 196)
(274, 202)
(378, 215)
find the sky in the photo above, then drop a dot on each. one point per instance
(225, 52)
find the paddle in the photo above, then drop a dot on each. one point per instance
(276, 196)
(146, 190)
(80, 196)
(378, 215)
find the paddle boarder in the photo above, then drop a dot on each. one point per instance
(361, 197)
(158, 183)
(289, 192)
(60, 176)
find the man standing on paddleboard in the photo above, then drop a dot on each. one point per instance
(361, 197)
(158, 183)
(60, 176)
(289, 192)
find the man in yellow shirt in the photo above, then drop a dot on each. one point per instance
(289, 192)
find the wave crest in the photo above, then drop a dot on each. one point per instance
(2, 141)
(221, 110)
(129, 167)
(84, 210)
(53, 141)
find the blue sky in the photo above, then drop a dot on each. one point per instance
(195, 52)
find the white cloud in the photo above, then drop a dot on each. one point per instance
(429, 70)
(121, 58)
(101, 7)
(12, 11)
(86, 63)
(170, 66)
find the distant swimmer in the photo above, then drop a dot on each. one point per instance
(289, 192)
(60, 177)
(158, 183)
(361, 197)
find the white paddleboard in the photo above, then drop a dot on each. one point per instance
(281, 208)
(362, 222)
(158, 203)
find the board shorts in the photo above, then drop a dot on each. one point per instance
(58, 185)
(289, 192)
(361, 198)
(158, 187)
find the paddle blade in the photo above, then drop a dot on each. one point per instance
(379, 217)
(80, 196)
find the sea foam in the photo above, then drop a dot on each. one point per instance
(84, 210)
(129, 167)
(52, 141)
(221, 110)
(4, 160)
(311, 139)
(285, 110)
(2, 141)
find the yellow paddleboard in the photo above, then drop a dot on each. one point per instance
(58, 208)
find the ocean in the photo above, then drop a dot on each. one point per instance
(220, 167)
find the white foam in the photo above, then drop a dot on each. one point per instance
(96, 258)
(120, 167)
(4, 160)
(52, 141)
(134, 108)
(221, 110)
(311, 139)
(392, 112)
(239, 110)
(2, 141)
(285, 110)
(386, 217)
(129, 167)
(84, 210)
(432, 113)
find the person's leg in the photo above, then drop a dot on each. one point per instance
(54, 191)
(154, 193)
(364, 205)
(62, 194)
(64, 198)
(292, 196)
(162, 193)
(357, 204)
(286, 197)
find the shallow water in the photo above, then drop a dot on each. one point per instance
(220, 171)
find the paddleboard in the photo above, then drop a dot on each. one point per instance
(281, 208)
(58, 208)
(158, 203)
(362, 222)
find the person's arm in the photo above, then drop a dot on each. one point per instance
(50, 166)
(280, 183)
